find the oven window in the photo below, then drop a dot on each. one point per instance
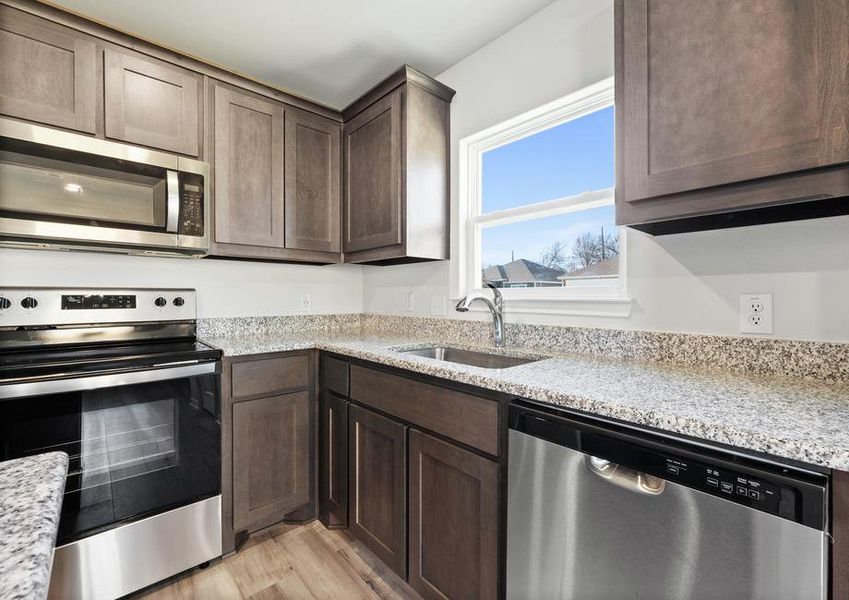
(134, 450)
(74, 192)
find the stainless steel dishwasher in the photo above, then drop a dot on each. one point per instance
(602, 511)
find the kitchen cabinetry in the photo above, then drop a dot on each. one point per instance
(377, 459)
(49, 72)
(313, 177)
(453, 520)
(150, 102)
(425, 475)
(268, 441)
(395, 155)
(723, 107)
(333, 461)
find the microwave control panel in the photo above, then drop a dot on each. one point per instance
(191, 205)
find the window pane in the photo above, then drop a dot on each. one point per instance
(553, 251)
(565, 160)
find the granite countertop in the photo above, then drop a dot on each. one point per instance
(31, 491)
(783, 416)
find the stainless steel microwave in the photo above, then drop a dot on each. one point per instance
(70, 191)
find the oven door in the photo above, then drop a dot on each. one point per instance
(67, 190)
(140, 442)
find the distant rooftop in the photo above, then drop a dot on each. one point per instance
(605, 268)
(521, 272)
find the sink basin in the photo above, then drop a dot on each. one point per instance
(470, 357)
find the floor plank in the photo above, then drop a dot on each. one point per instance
(286, 562)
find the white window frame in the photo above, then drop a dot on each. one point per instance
(612, 300)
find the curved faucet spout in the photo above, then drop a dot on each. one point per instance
(495, 306)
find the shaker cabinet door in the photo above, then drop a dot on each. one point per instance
(717, 92)
(313, 181)
(270, 458)
(150, 102)
(373, 178)
(454, 523)
(377, 477)
(47, 72)
(249, 169)
(333, 461)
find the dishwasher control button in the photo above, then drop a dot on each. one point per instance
(741, 491)
(672, 469)
(728, 488)
(754, 495)
(712, 482)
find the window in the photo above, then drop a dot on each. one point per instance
(536, 203)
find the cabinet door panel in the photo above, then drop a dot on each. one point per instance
(333, 461)
(312, 181)
(47, 72)
(249, 202)
(151, 103)
(454, 523)
(270, 458)
(373, 179)
(378, 484)
(718, 92)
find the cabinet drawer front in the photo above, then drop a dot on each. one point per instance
(270, 375)
(453, 520)
(150, 102)
(457, 415)
(270, 458)
(48, 73)
(334, 375)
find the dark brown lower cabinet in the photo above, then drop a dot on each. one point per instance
(270, 459)
(377, 477)
(333, 461)
(454, 524)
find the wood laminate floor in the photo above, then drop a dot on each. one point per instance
(286, 561)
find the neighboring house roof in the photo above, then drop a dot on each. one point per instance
(520, 271)
(605, 268)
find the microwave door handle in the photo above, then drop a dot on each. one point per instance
(172, 214)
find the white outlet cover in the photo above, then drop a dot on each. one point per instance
(409, 302)
(437, 305)
(756, 314)
(306, 302)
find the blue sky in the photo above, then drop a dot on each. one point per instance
(571, 158)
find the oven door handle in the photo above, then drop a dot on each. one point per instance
(94, 382)
(172, 211)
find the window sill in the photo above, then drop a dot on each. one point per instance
(615, 307)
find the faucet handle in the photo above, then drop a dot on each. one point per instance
(496, 294)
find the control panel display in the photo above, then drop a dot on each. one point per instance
(96, 301)
(191, 204)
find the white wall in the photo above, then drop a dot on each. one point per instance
(687, 283)
(225, 287)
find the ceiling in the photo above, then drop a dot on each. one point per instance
(330, 51)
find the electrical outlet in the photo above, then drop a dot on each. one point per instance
(409, 302)
(306, 302)
(756, 313)
(437, 305)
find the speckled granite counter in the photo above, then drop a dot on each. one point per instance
(784, 416)
(30, 502)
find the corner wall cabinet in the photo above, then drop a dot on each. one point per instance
(730, 113)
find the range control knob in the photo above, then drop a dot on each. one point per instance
(29, 303)
(5, 303)
(160, 301)
(179, 301)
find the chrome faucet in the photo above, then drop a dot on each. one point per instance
(495, 306)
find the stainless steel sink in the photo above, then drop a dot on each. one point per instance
(470, 357)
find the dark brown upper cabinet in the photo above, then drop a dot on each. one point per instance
(730, 113)
(454, 521)
(313, 181)
(150, 102)
(48, 72)
(377, 479)
(271, 445)
(395, 161)
(248, 167)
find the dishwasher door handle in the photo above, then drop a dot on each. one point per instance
(624, 477)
